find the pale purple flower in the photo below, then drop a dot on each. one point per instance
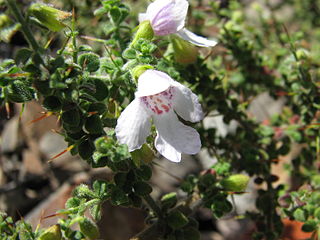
(159, 98)
(168, 17)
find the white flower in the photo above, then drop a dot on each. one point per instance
(168, 17)
(159, 98)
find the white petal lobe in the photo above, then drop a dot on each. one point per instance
(195, 39)
(133, 125)
(183, 138)
(186, 103)
(179, 13)
(152, 82)
(167, 150)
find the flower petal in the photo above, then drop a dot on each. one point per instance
(186, 103)
(167, 150)
(183, 138)
(180, 12)
(152, 82)
(167, 16)
(133, 125)
(195, 39)
(157, 6)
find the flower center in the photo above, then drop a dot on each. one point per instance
(159, 103)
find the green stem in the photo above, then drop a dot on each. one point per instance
(24, 26)
(74, 35)
(152, 204)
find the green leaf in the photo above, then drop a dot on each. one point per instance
(43, 87)
(73, 202)
(144, 154)
(101, 188)
(25, 230)
(86, 149)
(118, 196)
(95, 212)
(124, 12)
(100, 11)
(176, 220)
(56, 63)
(169, 200)
(100, 108)
(71, 117)
(103, 144)
(129, 53)
(317, 213)
(146, 59)
(52, 103)
(32, 68)
(19, 91)
(315, 181)
(300, 215)
(207, 180)
(93, 124)
(115, 14)
(99, 160)
(144, 172)
(222, 168)
(310, 226)
(89, 62)
(101, 90)
(83, 191)
(120, 179)
(23, 55)
(52, 233)
(89, 229)
(142, 188)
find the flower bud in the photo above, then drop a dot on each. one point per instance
(48, 16)
(144, 31)
(235, 183)
(138, 70)
(52, 233)
(184, 52)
